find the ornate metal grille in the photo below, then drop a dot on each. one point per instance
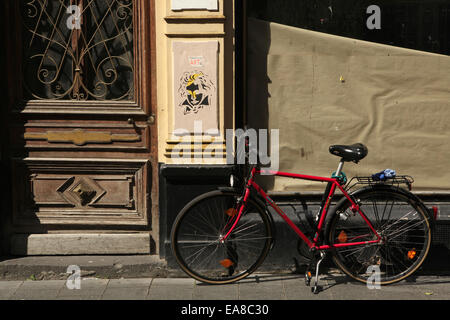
(78, 49)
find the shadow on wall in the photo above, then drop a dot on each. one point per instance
(259, 41)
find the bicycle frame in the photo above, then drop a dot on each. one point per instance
(312, 243)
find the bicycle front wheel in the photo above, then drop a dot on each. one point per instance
(401, 221)
(198, 229)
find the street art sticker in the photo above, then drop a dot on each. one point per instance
(196, 90)
(195, 67)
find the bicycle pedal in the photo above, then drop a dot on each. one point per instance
(308, 278)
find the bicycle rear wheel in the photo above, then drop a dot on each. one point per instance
(197, 231)
(402, 222)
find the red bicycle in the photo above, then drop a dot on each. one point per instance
(224, 235)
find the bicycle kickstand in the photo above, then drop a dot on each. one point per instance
(316, 288)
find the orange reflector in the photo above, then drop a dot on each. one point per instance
(411, 254)
(309, 274)
(342, 237)
(226, 263)
(231, 212)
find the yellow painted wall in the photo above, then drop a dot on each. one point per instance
(193, 25)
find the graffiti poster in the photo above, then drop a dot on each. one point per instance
(195, 66)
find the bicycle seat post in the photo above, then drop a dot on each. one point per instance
(339, 168)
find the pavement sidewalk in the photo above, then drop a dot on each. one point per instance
(148, 278)
(151, 266)
(255, 287)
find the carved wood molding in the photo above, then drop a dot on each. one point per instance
(80, 191)
(81, 137)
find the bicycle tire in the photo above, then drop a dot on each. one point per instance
(402, 221)
(200, 224)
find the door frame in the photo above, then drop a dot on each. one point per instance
(142, 110)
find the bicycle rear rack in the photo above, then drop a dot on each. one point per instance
(396, 182)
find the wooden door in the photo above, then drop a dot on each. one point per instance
(82, 125)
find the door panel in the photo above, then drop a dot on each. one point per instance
(73, 191)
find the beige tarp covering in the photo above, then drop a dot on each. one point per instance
(319, 90)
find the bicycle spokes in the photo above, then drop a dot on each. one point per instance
(403, 229)
(200, 244)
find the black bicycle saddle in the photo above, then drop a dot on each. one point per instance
(354, 152)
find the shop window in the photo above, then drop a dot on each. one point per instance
(420, 25)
